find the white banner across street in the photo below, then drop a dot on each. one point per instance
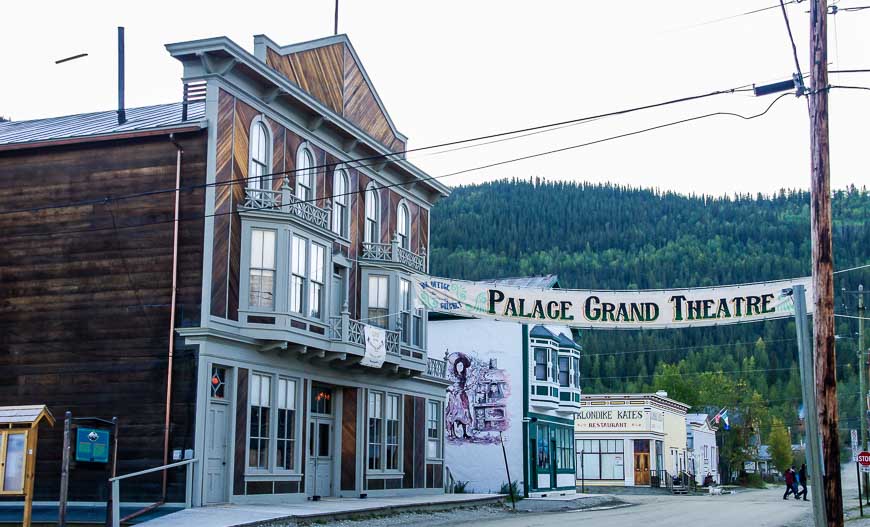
(646, 309)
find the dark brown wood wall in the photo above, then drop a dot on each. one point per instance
(350, 404)
(234, 125)
(84, 315)
(332, 76)
(240, 448)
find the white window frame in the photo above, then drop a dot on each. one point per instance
(308, 174)
(341, 202)
(406, 307)
(316, 279)
(295, 295)
(255, 395)
(262, 268)
(372, 224)
(403, 225)
(384, 319)
(294, 427)
(260, 181)
(382, 407)
(435, 417)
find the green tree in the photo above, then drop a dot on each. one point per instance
(780, 446)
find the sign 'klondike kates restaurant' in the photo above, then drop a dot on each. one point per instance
(618, 419)
(648, 309)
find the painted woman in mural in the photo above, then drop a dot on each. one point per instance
(476, 399)
(458, 415)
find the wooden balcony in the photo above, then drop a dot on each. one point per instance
(393, 253)
(285, 201)
(350, 331)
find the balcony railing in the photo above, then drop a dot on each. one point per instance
(285, 201)
(436, 368)
(392, 252)
(350, 331)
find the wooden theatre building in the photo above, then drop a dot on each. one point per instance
(299, 223)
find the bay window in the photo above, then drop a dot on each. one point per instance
(315, 292)
(261, 402)
(564, 365)
(576, 361)
(262, 269)
(298, 251)
(405, 309)
(541, 355)
(417, 339)
(378, 304)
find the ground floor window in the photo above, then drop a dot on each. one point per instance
(601, 458)
(543, 449)
(564, 452)
(384, 422)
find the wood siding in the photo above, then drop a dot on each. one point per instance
(234, 125)
(84, 315)
(332, 76)
(240, 447)
(348, 438)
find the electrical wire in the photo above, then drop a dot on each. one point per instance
(380, 158)
(429, 178)
(865, 266)
(682, 348)
(731, 17)
(739, 372)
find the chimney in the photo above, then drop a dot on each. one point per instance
(122, 114)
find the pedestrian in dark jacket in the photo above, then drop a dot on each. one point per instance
(790, 487)
(802, 480)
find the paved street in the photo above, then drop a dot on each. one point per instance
(756, 508)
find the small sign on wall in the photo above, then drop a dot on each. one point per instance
(92, 445)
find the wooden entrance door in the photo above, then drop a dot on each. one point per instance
(217, 442)
(641, 468)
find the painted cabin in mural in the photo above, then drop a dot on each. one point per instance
(301, 224)
(513, 384)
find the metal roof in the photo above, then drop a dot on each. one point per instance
(24, 414)
(547, 281)
(99, 123)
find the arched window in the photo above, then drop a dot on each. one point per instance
(304, 174)
(339, 203)
(261, 154)
(403, 226)
(373, 215)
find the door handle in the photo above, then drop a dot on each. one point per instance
(224, 463)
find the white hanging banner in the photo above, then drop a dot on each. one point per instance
(646, 309)
(376, 346)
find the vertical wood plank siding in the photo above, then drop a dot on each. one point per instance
(222, 204)
(408, 446)
(84, 317)
(349, 411)
(331, 75)
(241, 444)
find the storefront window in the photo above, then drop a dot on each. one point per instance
(660, 460)
(602, 459)
(543, 455)
(564, 454)
(261, 402)
(286, 433)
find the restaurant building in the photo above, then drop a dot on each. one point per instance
(513, 383)
(630, 439)
(235, 340)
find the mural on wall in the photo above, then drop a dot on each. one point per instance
(476, 399)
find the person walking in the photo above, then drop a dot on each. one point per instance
(790, 486)
(802, 480)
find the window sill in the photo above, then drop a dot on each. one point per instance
(380, 474)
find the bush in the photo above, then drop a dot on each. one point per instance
(510, 490)
(459, 487)
(753, 481)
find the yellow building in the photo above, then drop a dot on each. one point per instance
(630, 439)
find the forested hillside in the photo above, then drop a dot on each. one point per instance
(610, 237)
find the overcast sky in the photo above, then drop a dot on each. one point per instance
(448, 70)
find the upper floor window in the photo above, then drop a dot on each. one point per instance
(373, 215)
(541, 359)
(405, 309)
(304, 174)
(378, 301)
(258, 172)
(262, 269)
(340, 203)
(576, 362)
(298, 252)
(564, 374)
(403, 226)
(315, 290)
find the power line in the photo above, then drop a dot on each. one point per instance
(683, 374)
(865, 266)
(451, 174)
(381, 157)
(682, 348)
(732, 17)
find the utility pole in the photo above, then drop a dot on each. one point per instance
(823, 263)
(862, 399)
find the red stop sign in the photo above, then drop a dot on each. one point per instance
(864, 459)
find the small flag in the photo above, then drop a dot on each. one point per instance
(725, 419)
